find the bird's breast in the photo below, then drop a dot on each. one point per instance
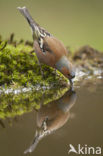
(44, 57)
(54, 50)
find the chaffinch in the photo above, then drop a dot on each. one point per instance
(52, 116)
(49, 49)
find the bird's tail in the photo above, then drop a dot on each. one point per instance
(36, 140)
(35, 27)
(40, 134)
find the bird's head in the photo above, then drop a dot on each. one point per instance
(66, 68)
(68, 71)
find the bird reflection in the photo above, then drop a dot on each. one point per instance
(52, 116)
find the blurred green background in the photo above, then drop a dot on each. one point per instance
(75, 22)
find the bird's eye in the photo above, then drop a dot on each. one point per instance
(68, 74)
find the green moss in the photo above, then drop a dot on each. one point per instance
(12, 105)
(19, 67)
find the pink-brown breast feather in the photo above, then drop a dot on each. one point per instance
(57, 50)
(46, 58)
(56, 46)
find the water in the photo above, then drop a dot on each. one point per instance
(74, 119)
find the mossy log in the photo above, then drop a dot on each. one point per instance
(12, 105)
(19, 67)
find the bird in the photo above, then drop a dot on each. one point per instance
(51, 117)
(49, 49)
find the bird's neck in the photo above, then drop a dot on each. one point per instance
(62, 62)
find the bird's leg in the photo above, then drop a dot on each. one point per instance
(55, 72)
(40, 69)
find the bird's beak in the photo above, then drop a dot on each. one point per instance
(72, 74)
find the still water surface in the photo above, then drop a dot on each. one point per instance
(76, 118)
